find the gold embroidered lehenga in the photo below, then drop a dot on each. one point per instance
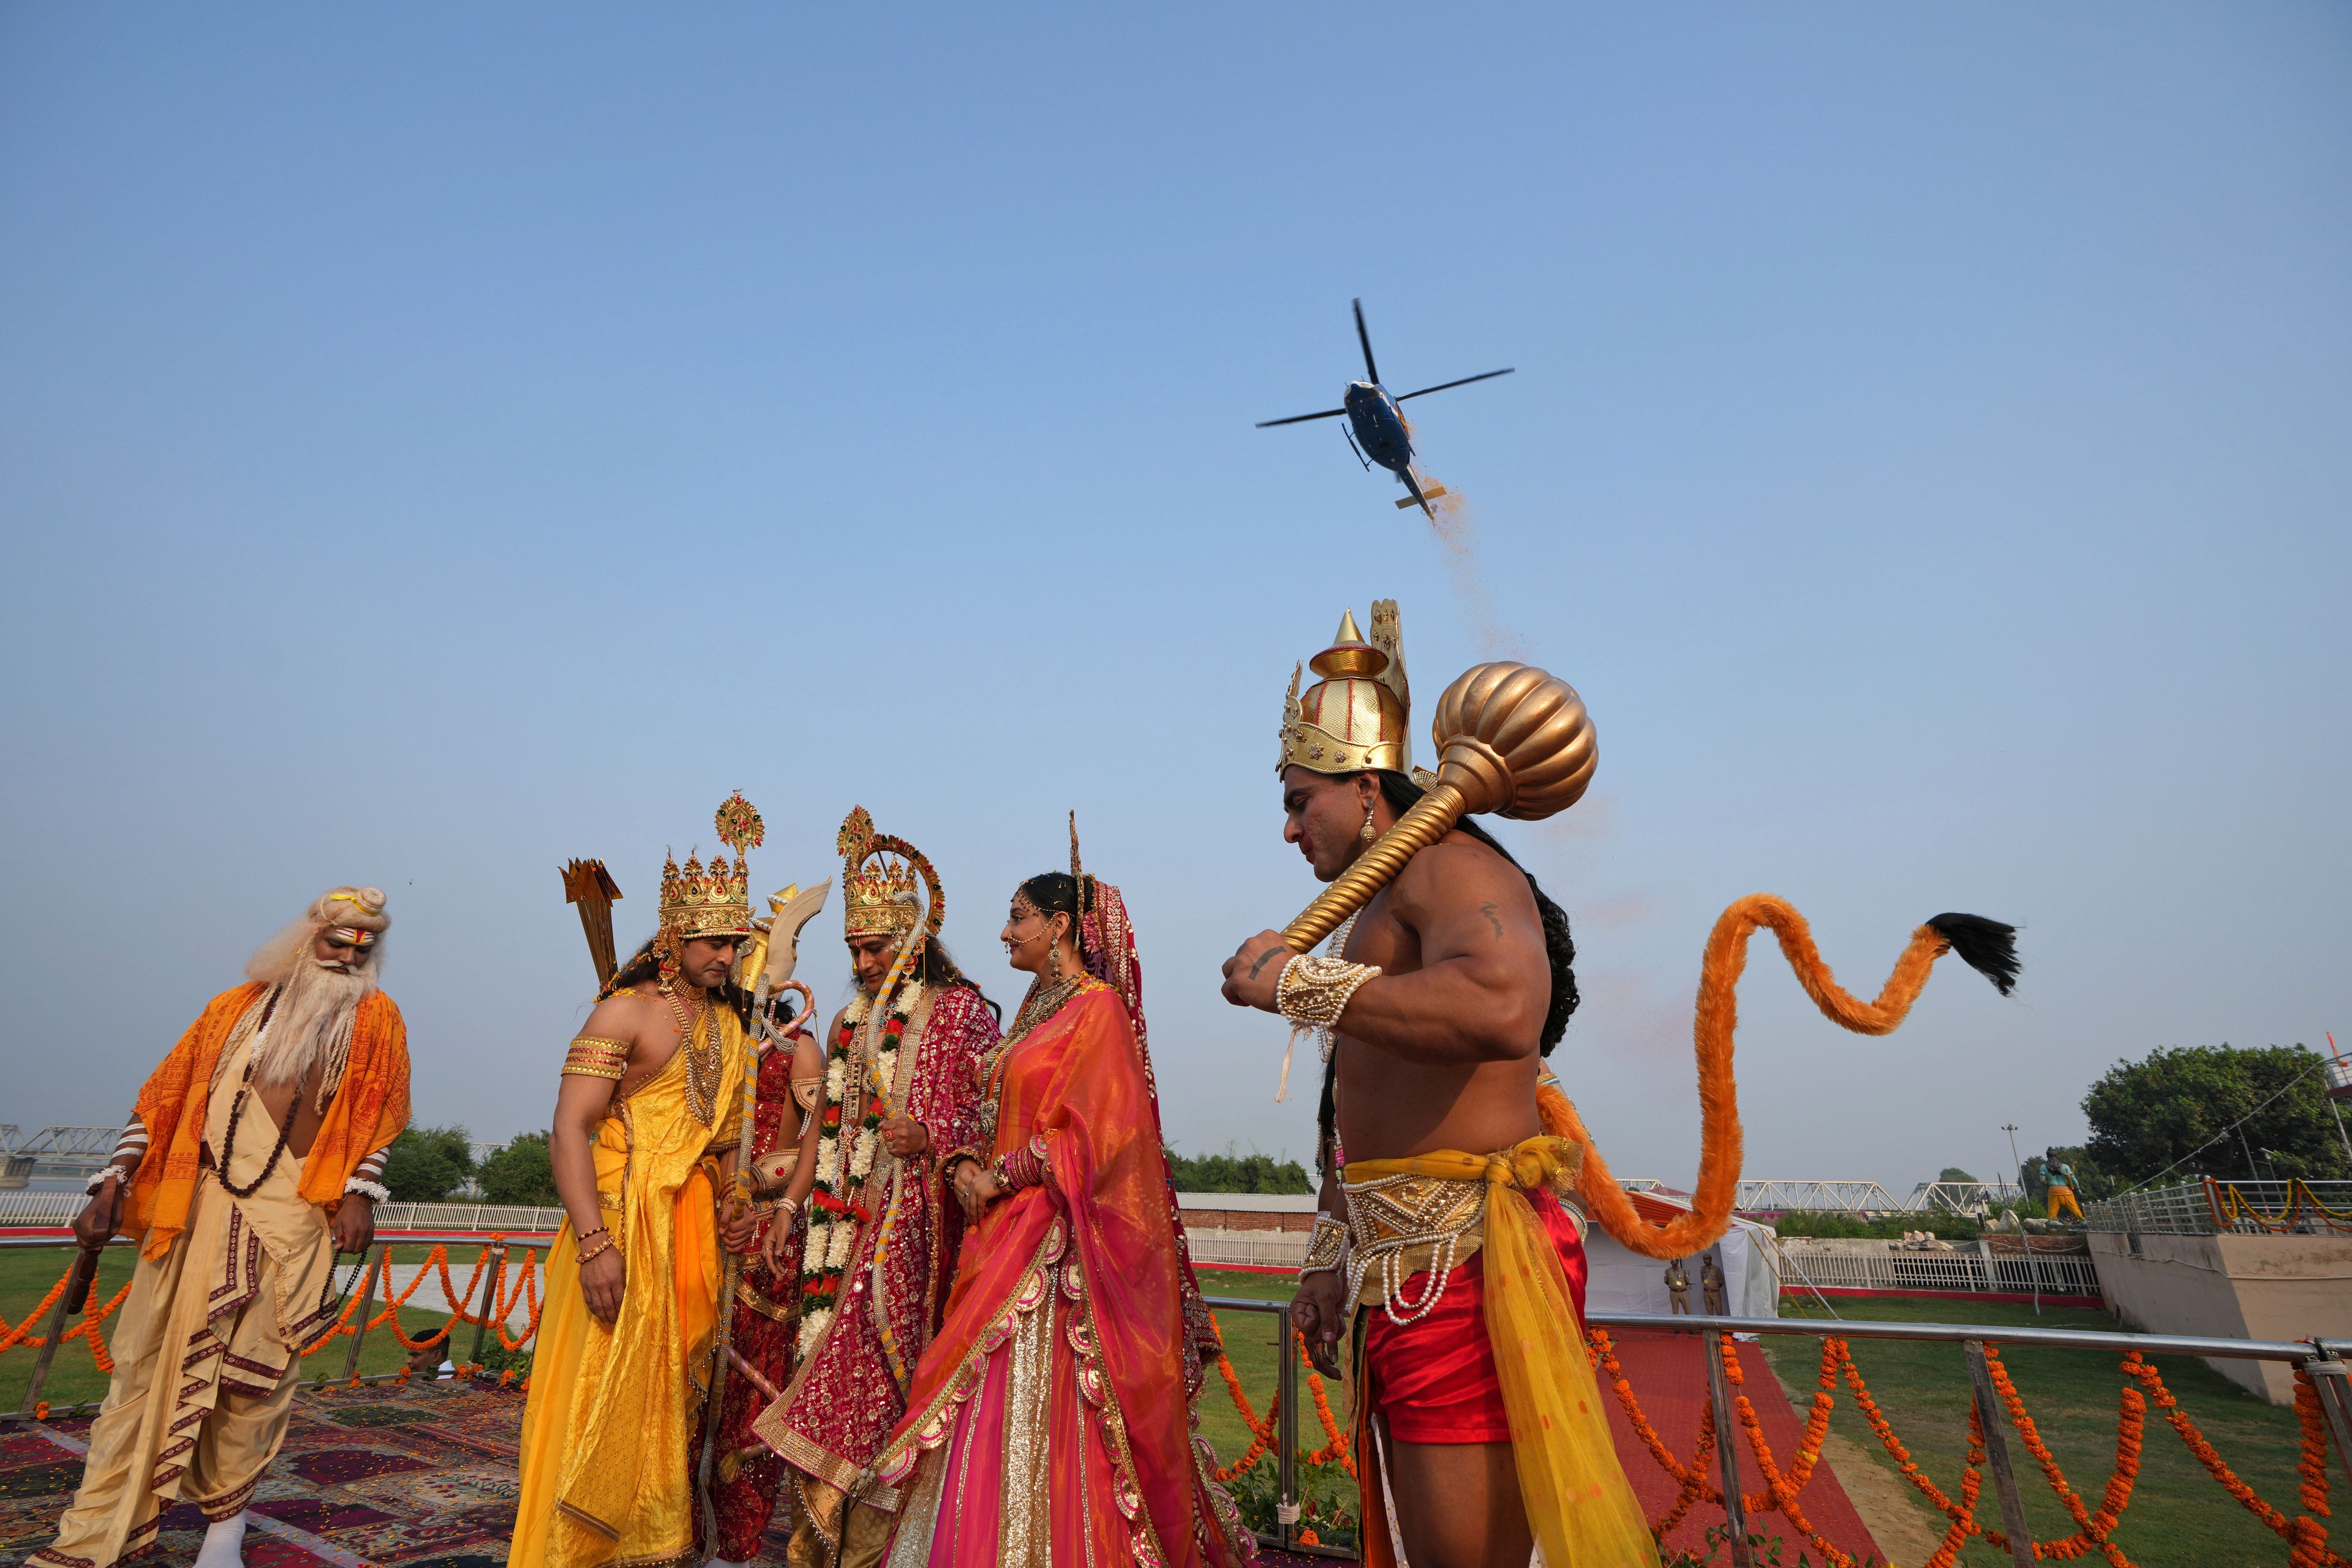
(1052, 1419)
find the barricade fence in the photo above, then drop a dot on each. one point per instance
(1967, 1268)
(503, 1277)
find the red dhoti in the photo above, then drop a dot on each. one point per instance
(1433, 1380)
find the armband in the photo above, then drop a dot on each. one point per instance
(1313, 992)
(592, 1058)
(1327, 1252)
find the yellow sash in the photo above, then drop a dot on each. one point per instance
(1579, 1504)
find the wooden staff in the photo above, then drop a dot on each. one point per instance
(1511, 740)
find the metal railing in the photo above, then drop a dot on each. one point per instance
(2325, 1360)
(59, 1208)
(2210, 1208)
(378, 1260)
(1843, 1264)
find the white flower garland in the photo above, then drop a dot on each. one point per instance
(832, 1233)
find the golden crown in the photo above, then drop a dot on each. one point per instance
(716, 899)
(879, 874)
(1354, 718)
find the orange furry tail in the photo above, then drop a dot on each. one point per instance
(1987, 946)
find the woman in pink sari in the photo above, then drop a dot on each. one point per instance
(1052, 1419)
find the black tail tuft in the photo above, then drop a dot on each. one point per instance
(1986, 946)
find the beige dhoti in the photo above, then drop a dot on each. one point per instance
(208, 1350)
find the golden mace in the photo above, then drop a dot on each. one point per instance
(1511, 738)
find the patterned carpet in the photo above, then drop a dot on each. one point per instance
(422, 1477)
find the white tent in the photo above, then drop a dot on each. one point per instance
(1622, 1280)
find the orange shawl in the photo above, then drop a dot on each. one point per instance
(367, 1113)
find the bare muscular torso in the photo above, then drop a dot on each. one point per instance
(1450, 1062)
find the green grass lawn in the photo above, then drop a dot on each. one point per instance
(26, 1274)
(1250, 1344)
(2177, 1515)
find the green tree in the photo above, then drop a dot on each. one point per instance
(428, 1164)
(1231, 1172)
(1954, 1173)
(2177, 1109)
(522, 1172)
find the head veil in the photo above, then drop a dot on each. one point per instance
(1107, 943)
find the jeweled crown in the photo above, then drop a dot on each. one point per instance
(879, 877)
(714, 899)
(1356, 717)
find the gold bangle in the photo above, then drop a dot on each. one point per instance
(596, 1251)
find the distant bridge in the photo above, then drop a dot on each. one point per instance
(53, 1152)
(1778, 1196)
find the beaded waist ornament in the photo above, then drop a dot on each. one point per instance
(1402, 1226)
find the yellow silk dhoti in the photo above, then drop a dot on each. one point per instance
(609, 1436)
(208, 1350)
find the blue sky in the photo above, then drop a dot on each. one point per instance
(439, 444)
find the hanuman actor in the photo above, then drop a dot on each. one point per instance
(1441, 999)
(648, 1119)
(900, 1092)
(250, 1160)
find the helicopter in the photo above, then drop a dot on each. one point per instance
(1379, 434)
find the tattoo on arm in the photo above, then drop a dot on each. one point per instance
(1261, 960)
(1492, 919)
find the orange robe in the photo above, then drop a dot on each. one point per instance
(367, 1113)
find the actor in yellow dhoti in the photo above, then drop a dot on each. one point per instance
(647, 1124)
(250, 1160)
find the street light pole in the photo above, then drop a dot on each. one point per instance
(2016, 1165)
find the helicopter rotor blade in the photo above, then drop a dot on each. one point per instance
(1371, 371)
(1465, 381)
(1300, 418)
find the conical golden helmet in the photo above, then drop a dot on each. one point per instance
(1356, 716)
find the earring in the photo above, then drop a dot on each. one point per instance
(1365, 835)
(1054, 956)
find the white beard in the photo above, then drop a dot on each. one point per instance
(315, 1011)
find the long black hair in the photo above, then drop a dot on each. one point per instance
(1560, 948)
(643, 968)
(936, 969)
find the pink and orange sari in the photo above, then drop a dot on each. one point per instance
(1052, 1418)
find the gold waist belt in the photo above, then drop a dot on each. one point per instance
(1399, 1225)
